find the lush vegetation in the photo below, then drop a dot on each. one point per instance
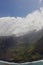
(23, 52)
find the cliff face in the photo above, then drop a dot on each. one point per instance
(5, 44)
(28, 47)
(39, 46)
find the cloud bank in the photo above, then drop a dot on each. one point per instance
(21, 25)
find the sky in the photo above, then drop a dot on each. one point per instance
(19, 17)
(18, 7)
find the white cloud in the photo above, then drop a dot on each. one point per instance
(21, 25)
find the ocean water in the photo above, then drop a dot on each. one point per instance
(28, 63)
